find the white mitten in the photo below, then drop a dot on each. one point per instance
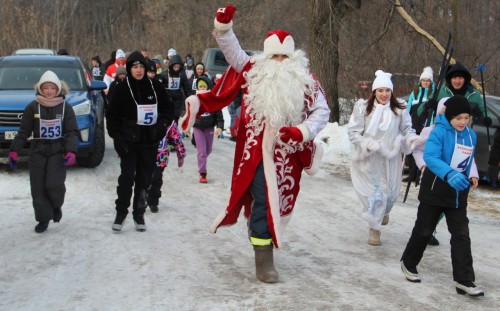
(372, 145)
(415, 141)
(369, 145)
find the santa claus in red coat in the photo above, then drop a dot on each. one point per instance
(283, 109)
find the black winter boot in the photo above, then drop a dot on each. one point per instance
(42, 226)
(119, 221)
(264, 264)
(139, 209)
(140, 224)
(57, 214)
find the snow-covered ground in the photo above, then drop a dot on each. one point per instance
(325, 264)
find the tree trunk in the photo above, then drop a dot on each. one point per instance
(324, 53)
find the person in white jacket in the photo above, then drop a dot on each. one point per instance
(379, 130)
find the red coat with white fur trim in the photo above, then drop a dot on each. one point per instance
(283, 165)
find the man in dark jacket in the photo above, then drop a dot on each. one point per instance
(136, 119)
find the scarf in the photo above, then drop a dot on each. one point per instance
(381, 119)
(49, 102)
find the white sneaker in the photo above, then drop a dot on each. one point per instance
(410, 276)
(469, 288)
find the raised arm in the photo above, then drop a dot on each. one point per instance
(227, 40)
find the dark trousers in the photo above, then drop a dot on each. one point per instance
(47, 177)
(458, 226)
(137, 168)
(154, 193)
(258, 225)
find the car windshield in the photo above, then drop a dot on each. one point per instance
(23, 75)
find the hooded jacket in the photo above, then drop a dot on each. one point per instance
(121, 115)
(192, 81)
(438, 153)
(472, 95)
(446, 90)
(176, 84)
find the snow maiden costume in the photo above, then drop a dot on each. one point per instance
(377, 140)
(274, 142)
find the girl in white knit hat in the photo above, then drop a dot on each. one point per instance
(379, 130)
(51, 123)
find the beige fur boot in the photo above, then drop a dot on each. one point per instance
(374, 237)
(385, 221)
(264, 264)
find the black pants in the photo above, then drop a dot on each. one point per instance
(47, 177)
(458, 226)
(154, 193)
(258, 225)
(137, 168)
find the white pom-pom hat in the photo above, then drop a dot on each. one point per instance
(279, 42)
(383, 79)
(427, 74)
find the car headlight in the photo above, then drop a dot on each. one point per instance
(83, 108)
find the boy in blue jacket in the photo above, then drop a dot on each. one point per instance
(449, 153)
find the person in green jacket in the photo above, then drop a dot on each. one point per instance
(457, 82)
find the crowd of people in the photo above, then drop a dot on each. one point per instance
(278, 107)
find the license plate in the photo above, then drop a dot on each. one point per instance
(9, 135)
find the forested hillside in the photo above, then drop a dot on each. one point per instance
(346, 40)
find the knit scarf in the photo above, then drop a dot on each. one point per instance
(49, 102)
(381, 119)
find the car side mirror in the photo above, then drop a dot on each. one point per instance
(97, 85)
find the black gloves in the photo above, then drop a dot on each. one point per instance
(431, 104)
(121, 146)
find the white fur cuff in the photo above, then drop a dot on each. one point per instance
(316, 161)
(192, 107)
(305, 132)
(222, 27)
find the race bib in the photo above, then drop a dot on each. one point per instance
(96, 72)
(174, 83)
(193, 87)
(50, 129)
(461, 157)
(147, 114)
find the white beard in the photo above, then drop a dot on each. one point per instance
(278, 91)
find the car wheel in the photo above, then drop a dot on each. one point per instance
(95, 157)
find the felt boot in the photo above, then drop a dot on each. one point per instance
(264, 264)
(374, 237)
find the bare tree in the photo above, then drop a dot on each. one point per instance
(326, 17)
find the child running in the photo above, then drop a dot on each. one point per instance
(449, 154)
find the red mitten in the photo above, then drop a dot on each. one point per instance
(291, 135)
(224, 17)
